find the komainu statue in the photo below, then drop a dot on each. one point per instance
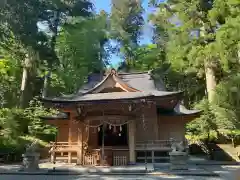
(179, 147)
(32, 148)
(31, 157)
(178, 156)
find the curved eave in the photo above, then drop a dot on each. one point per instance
(97, 85)
(180, 110)
(111, 97)
(60, 116)
(173, 100)
(193, 113)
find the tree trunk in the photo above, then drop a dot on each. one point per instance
(233, 142)
(210, 82)
(28, 77)
(23, 101)
(54, 28)
(46, 83)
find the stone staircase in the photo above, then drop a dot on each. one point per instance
(231, 151)
(220, 152)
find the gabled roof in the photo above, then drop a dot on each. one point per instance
(139, 81)
(133, 85)
(123, 85)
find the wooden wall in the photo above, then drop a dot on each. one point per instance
(171, 127)
(151, 129)
(63, 128)
(157, 128)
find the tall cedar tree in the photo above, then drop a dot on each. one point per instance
(126, 25)
(35, 45)
(192, 31)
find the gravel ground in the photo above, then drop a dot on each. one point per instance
(91, 177)
(225, 172)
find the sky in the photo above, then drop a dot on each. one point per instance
(147, 31)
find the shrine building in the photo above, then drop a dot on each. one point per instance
(118, 119)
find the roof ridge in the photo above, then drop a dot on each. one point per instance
(126, 73)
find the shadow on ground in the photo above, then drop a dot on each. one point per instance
(73, 174)
(229, 172)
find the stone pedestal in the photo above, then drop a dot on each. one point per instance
(178, 160)
(30, 161)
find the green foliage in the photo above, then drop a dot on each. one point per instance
(8, 123)
(223, 115)
(18, 123)
(81, 50)
(205, 124)
(9, 76)
(195, 35)
(126, 26)
(189, 36)
(227, 104)
(36, 126)
(193, 138)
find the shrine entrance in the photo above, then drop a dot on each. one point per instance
(112, 140)
(113, 136)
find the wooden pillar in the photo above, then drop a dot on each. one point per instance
(70, 137)
(153, 157)
(70, 129)
(131, 141)
(103, 152)
(80, 145)
(69, 157)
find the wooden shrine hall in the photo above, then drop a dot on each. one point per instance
(118, 119)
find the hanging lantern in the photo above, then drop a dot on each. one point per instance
(119, 134)
(86, 128)
(98, 128)
(110, 127)
(120, 128)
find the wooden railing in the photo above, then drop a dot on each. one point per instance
(90, 160)
(90, 157)
(154, 144)
(120, 160)
(63, 147)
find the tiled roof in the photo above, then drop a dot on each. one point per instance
(111, 96)
(144, 85)
(143, 81)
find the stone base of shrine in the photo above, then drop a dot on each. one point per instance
(178, 160)
(137, 168)
(131, 163)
